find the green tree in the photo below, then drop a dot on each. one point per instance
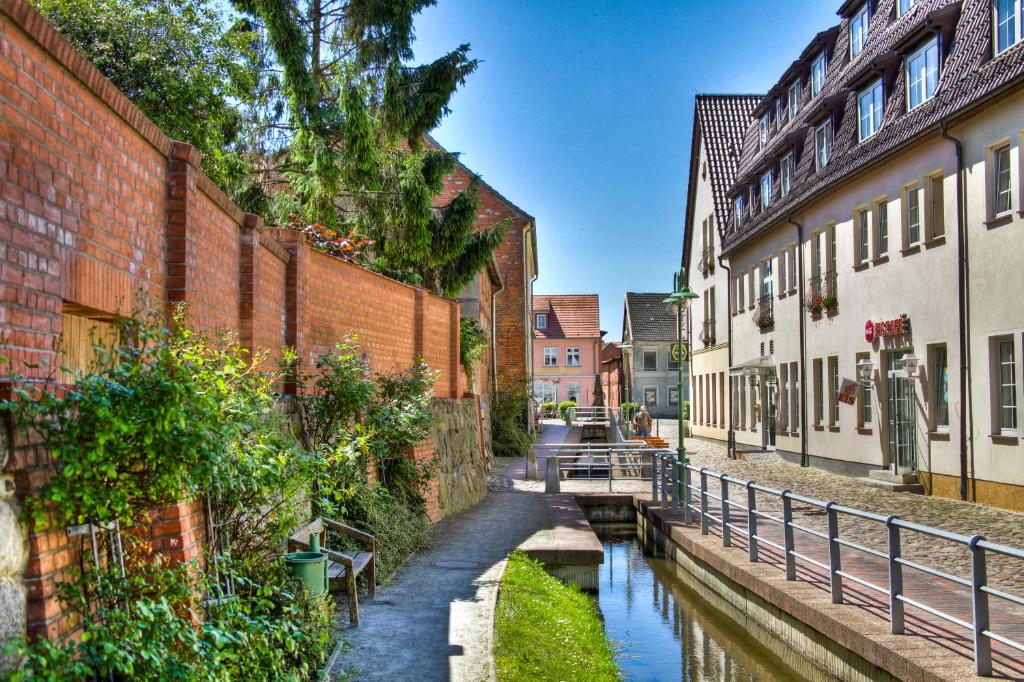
(181, 63)
(357, 113)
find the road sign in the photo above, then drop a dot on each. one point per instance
(680, 354)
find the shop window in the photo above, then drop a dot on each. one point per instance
(573, 391)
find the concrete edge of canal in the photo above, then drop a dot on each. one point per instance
(796, 620)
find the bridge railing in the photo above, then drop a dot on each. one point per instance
(677, 484)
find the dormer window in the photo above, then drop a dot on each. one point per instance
(794, 99)
(737, 212)
(859, 31)
(818, 74)
(778, 112)
(1007, 20)
(752, 198)
(869, 109)
(786, 168)
(905, 5)
(823, 144)
(923, 74)
(766, 190)
(542, 321)
(763, 128)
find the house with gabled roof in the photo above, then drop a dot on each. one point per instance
(651, 369)
(567, 347)
(719, 123)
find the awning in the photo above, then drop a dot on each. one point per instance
(763, 366)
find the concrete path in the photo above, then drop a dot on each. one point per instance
(434, 621)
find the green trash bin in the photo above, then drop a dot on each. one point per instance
(309, 568)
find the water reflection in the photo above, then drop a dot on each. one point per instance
(661, 628)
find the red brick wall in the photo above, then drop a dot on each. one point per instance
(97, 205)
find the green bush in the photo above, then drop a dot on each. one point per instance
(686, 409)
(564, 407)
(472, 344)
(549, 408)
(628, 409)
(510, 436)
(545, 630)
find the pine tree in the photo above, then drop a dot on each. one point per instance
(355, 115)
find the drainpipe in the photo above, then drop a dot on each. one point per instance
(732, 408)
(803, 339)
(966, 423)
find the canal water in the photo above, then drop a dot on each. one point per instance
(663, 631)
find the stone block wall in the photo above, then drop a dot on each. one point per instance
(461, 472)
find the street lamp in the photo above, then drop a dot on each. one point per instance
(865, 367)
(626, 347)
(680, 298)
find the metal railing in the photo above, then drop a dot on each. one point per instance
(673, 485)
(764, 313)
(614, 463)
(822, 293)
(593, 414)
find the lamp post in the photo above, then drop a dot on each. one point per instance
(680, 298)
(627, 353)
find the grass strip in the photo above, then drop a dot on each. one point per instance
(545, 630)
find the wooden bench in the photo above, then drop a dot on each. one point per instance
(343, 568)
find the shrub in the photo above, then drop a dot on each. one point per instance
(564, 407)
(549, 408)
(509, 434)
(472, 344)
(628, 409)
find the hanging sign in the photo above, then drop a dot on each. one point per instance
(848, 392)
(873, 330)
(680, 352)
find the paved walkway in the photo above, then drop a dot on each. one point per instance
(434, 621)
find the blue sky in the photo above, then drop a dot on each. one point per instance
(581, 113)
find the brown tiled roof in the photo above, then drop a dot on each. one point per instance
(969, 75)
(570, 316)
(648, 318)
(723, 120)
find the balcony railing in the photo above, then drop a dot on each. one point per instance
(707, 335)
(707, 260)
(764, 312)
(822, 294)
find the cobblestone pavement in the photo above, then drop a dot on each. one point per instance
(997, 525)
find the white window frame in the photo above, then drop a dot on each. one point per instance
(999, 409)
(936, 383)
(767, 278)
(922, 69)
(569, 352)
(823, 143)
(572, 387)
(786, 168)
(870, 109)
(545, 391)
(643, 358)
(996, 192)
(763, 128)
(912, 213)
(550, 356)
(904, 6)
(766, 190)
(862, 234)
(934, 202)
(881, 227)
(793, 99)
(1014, 22)
(737, 212)
(860, 24)
(819, 69)
(542, 321)
(865, 399)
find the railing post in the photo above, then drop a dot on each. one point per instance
(703, 501)
(834, 557)
(895, 577)
(665, 480)
(787, 535)
(726, 534)
(751, 522)
(654, 478)
(979, 579)
(675, 486)
(687, 495)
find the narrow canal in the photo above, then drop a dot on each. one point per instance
(663, 631)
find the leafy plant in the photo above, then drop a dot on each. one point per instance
(472, 344)
(549, 408)
(564, 407)
(509, 412)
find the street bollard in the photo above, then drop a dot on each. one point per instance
(687, 495)
(553, 483)
(895, 577)
(834, 557)
(979, 578)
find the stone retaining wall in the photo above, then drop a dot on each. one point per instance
(461, 465)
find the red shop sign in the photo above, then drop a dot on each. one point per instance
(900, 325)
